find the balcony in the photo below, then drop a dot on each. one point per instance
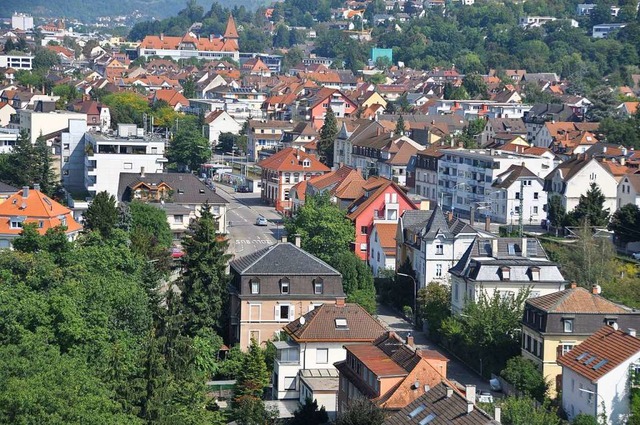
(288, 353)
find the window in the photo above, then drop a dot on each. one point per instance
(438, 270)
(65, 146)
(177, 219)
(535, 210)
(568, 325)
(284, 285)
(255, 286)
(289, 382)
(566, 348)
(505, 272)
(128, 165)
(439, 249)
(322, 355)
(318, 286)
(65, 158)
(455, 291)
(286, 195)
(40, 224)
(535, 195)
(364, 229)
(517, 195)
(284, 312)
(535, 273)
(363, 247)
(287, 177)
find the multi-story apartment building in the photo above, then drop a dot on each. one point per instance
(17, 62)
(554, 324)
(351, 132)
(275, 286)
(426, 173)
(518, 194)
(265, 134)
(473, 109)
(106, 157)
(505, 266)
(466, 176)
(44, 123)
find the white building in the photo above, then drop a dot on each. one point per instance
(603, 30)
(107, 157)
(629, 190)
(16, 62)
(304, 364)
(43, 123)
(72, 155)
(473, 109)
(432, 243)
(382, 248)
(505, 266)
(22, 21)
(466, 176)
(515, 189)
(597, 375)
(219, 122)
(573, 178)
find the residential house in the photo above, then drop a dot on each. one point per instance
(172, 97)
(325, 98)
(566, 135)
(191, 45)
(98, 115)
(382, 247)
(432, 243)
(573, 178)
(334, 182)
(275, 286)
(302, 134)
(444, 404)
(265, 134)
(38, 123)
(554, 324)
(349, 132)
(219, 122)
(540, 114)
(381, 201)
(518, 195)
(628, 191)
(598, 375)
(603, 30)
(426, 173)
(388, 372)
(284, 169)
(504, 266)
(6, 111)
(500, 127)
(304, 363)
(628, 109)
(32, 206)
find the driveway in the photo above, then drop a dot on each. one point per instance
(456, 370)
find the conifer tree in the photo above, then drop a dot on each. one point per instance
(328, 134)
(102, 214)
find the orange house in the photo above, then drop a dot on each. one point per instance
(383, 201)
(340, 104)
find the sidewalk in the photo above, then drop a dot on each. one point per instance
(456, 370)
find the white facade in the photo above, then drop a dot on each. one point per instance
(16, 62)
(472, 109)
(379, 260)
(22, 21)
(627, 192)
(612, 389)
(107, 157)
(580, 182)
(72, 155)
(603, 30)
(506, 203)
(177, 54)
(42, 123)
(466, 176)
(223, 123)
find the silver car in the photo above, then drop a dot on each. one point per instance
(261, 221)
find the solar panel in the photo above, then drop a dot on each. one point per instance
(600, 364)
(415, 411)
(582, 356)
(428, 419)
(588, 362)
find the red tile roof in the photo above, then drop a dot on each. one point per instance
(601, 353)
(575, 300)
(291, 159)
(387, 235)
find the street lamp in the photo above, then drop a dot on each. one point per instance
(415, 295)
(584, 390)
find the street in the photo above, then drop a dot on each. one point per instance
(245, 237)
(456, 371)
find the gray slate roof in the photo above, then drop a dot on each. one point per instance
(283, 258)
(444, 410)
(188, 189)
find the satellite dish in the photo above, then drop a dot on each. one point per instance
(302, 320)
(615, 326)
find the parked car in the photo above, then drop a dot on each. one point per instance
(485, 397)
(261, 221)
(243, 189)
(495, 385)
(636, 255)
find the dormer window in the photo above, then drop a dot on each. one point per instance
(306, 163)
(535, 273)
(318, 286)
(255, 286)
(505, 273)
(284, 285)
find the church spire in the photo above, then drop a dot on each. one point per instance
(231, 32)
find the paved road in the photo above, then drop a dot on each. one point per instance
(243, 210)
(456, 371)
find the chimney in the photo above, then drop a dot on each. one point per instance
(497, 412)
(378, 130)
(36, 186)
(595, 289)
(523, 247)
(494, 247)
(487, 224)
(573, 284)
(297, 239)
(470, 393)
(283, 239)
(604, 149)
(449, 392)
(142, 172)
(410, 342)
(340, 302)
(469, 407)
(631, 332)
(450, 216)
(25, 191)
(161, 36)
